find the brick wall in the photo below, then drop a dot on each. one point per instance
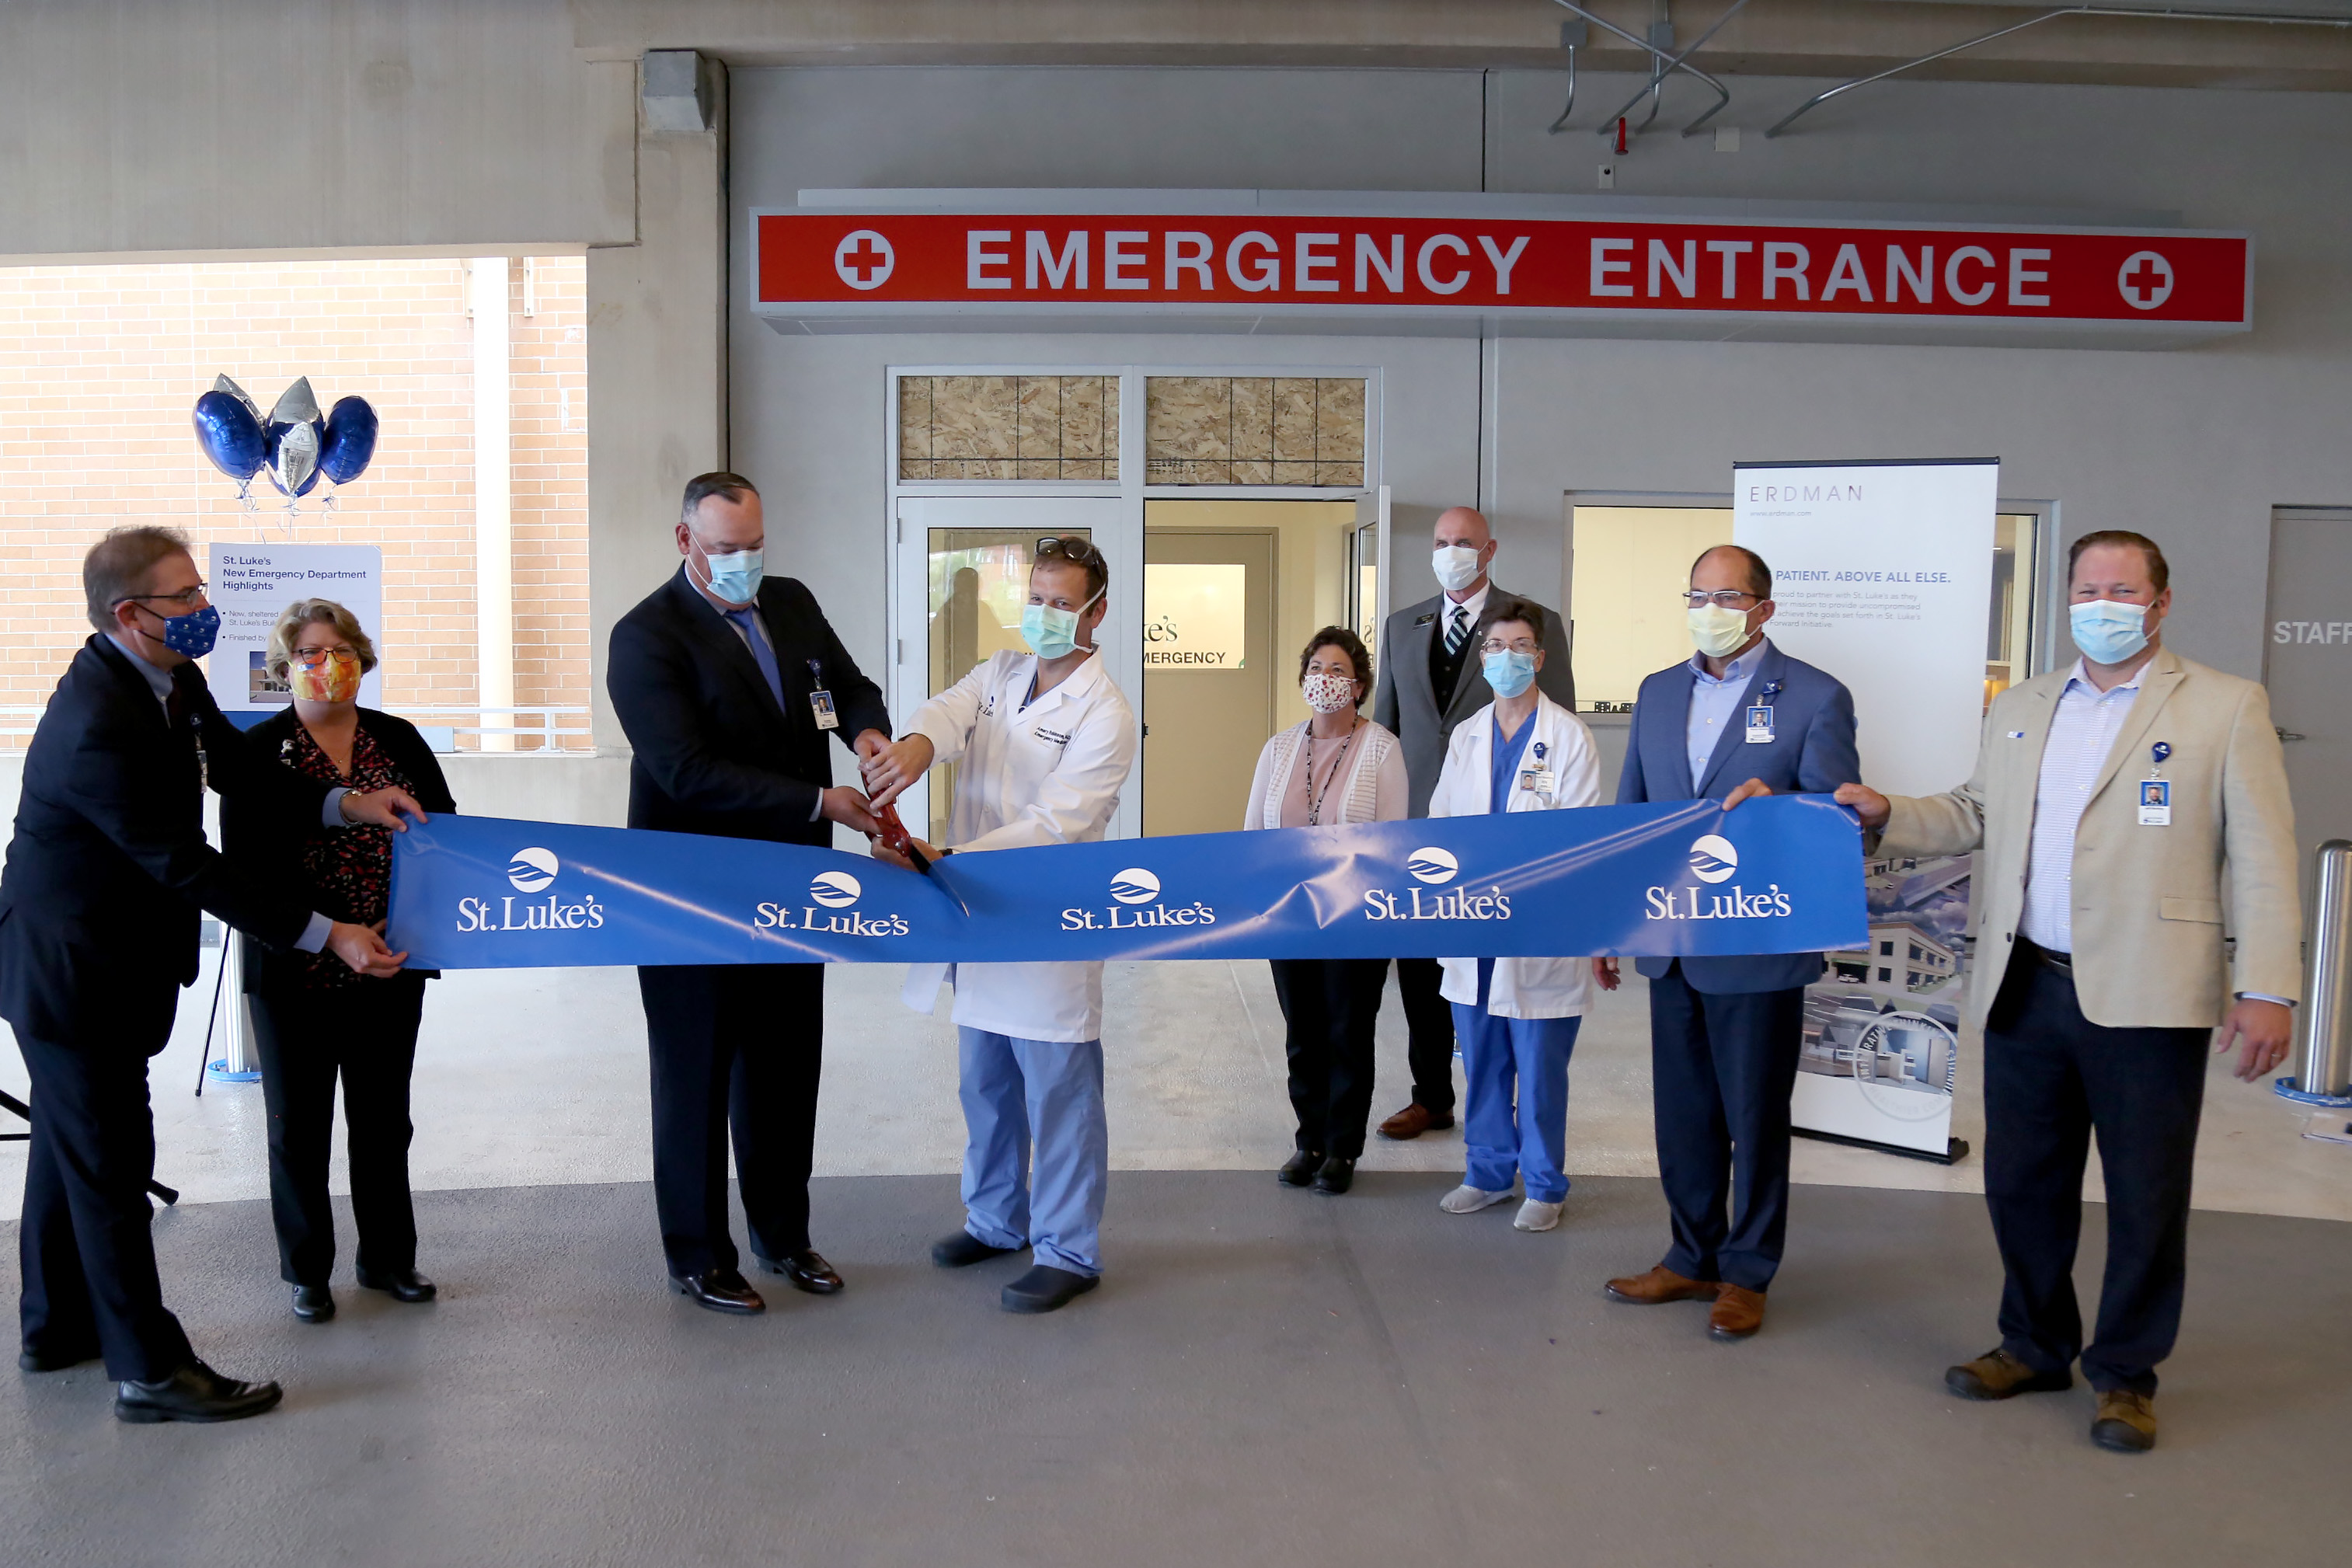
(99, 366)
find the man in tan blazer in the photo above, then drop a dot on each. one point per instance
(2131, 820)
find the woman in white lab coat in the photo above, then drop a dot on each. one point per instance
(1043, 742)
(1335, 767)
(1515, 1019)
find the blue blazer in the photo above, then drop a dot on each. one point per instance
(1811, 752)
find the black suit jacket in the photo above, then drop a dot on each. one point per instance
(109, 867)
(714, 753)
(272, 843)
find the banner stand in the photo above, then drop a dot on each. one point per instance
(1955, 1149)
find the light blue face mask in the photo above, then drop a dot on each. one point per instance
(1507, 672)
(736, 577)
(2108, 631)
(1051, 633)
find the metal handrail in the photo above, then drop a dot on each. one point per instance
(2271, 18)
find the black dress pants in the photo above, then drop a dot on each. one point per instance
(2053, 1080)
(1428, 1020)
(366, 1033)
(740, 1045)
(86, 1249)
(1722, 1066)
(1329, 1009)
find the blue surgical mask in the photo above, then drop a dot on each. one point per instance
(1507, 672)
(193, 634)
(2108, 631)
(736, 577)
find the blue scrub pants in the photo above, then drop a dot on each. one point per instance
(1048, 1093)
(1515, 1111)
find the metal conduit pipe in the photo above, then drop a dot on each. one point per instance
(1659, 74)
(2324, 1071)
(1668, 64)
(2272, 18)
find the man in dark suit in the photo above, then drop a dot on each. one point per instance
(1725, 1032)
(1429, 682)
(99, 930)
(727, 682)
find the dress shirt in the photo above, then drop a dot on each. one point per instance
(159, 680)
(1472, 608)
(1716, 703)
(747, 624)
(2082, 732)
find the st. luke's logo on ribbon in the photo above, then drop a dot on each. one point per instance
(1777, 875)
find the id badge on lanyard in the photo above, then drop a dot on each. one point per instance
(2156, 790)
(1535, 777)
(1760, 716)
(820, 700)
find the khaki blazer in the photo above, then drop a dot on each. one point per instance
(2153, 906)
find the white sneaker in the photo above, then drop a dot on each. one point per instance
(1537, 1215)
(1468, 1199)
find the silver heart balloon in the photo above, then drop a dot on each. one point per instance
(296, 459)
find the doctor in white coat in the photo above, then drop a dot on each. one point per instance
(1045, 742)
(1516, 1017)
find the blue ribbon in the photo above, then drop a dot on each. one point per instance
(1778, 875)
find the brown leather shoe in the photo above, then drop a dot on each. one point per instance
(1997, 1374)
(1660, 1285)
(1415, 1120)
(1739, 1312)
(2126, 1423)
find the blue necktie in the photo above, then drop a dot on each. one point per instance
(747, 619)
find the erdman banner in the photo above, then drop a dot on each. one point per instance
(1781, 875)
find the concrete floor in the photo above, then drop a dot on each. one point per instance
(528, 1076)
(1266, 1377)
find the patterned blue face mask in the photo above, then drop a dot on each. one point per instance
(193, 634)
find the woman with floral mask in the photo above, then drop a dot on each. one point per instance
(1337, 767)
(314, 1021)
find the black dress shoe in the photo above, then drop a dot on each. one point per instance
(30, 1359)
(963, 1249)
(721, 1290)
(194, 1393)
(806, 1271)
(401, 1285)
(1300, 1170)
(313, 1303)
(1045, 1288)
(1338, 1174)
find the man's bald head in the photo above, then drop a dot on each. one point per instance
(1464, 526)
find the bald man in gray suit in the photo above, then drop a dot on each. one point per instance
(1429, 682)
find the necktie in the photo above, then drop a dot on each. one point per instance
(744, 618)
(1457, 631)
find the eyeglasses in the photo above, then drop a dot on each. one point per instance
(1722, 599)
(185, 598)
(1517, 645)
(1076, 550)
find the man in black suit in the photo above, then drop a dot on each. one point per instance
(1429, 682)
(99, 930)
(726, 681)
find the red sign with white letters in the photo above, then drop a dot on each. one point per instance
(1256, 262)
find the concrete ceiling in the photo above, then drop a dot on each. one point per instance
(1834, 38)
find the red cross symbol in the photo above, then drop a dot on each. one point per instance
(2146, 280)
(863, 260)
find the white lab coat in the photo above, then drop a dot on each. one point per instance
(1523, 987)
(1046, 774)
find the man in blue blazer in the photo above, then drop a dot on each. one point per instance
(1725, 1032)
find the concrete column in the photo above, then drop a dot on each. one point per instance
(656, 371)
(493, 496)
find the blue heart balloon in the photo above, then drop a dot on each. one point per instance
(230, 435)
(349, 442)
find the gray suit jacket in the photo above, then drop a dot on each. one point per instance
(1406, 706)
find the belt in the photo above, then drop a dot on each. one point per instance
(2063, 963)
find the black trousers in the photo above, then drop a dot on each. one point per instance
(366, 1033)
(1722, 1066)
(1428, 1020)
(86, 1249)
(2053, 1080)
(1328, 1009)
(739, 1044)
